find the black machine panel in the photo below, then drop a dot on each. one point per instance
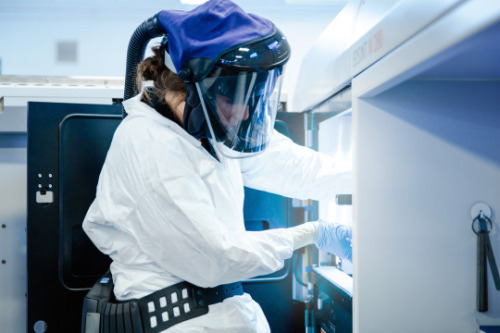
(67, 145)
(66, 149)
(332, 300)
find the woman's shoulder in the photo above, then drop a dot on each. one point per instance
(139, 127)
(146, 134)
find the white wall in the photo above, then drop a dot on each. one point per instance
(30, 30)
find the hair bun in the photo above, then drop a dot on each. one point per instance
(152, 67)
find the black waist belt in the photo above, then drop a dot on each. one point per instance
(153, 313)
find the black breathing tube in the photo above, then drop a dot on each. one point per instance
(149, 29)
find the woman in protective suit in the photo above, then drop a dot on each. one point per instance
(169, 202)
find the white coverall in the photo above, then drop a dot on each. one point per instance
(167, 211)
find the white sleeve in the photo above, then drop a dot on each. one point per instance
(178, 227)
(296, 171)
(303, 234)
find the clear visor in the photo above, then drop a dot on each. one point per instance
(241, 109)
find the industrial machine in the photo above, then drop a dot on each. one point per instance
(67, 144)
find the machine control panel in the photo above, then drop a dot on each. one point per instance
(333, 300)
(45, 192)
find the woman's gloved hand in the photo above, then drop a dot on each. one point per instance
(334, 238)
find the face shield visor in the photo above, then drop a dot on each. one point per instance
(240, 108)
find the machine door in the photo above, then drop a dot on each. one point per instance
(67, 145)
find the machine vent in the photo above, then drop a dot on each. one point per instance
(66, 51)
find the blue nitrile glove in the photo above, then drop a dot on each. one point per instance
(334, 238)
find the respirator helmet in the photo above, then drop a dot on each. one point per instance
(232, 64)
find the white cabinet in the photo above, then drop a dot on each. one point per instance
(426, 123)
(425, 83)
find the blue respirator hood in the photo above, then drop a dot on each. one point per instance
(198, 38)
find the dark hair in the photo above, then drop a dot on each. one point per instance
(153, 69)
